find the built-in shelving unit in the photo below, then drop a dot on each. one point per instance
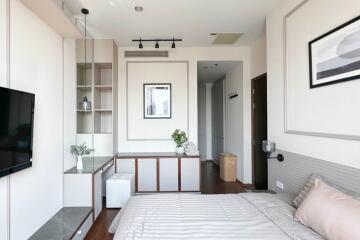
(95, 127)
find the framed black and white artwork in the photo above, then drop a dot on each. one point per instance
(157, 100)
(335, 56)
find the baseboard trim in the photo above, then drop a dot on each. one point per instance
(211, 160)
(247, 186)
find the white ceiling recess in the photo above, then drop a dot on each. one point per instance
(211, 71)
(192, 20)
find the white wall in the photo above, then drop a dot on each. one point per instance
(202, 137)
(237, 132)
(218, 112)
(192, 55)
(70, 101)
(140, 73)
(209, 129)
(3, 82)
(3, 36)
(36, 66)
(258, 57)
(327, 14)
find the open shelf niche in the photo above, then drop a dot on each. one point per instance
(97, 125)
(103, 95)
(84, 118)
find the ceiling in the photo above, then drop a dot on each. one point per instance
(211, 71)
(192, 20)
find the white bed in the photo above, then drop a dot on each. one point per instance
(218, 216)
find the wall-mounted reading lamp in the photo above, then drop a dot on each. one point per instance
(269, 147)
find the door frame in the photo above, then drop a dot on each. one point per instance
(253, 125)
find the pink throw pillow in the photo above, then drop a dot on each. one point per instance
(331, 213)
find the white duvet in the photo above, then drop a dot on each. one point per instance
(216, 216)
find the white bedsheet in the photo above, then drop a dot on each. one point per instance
(216, 216)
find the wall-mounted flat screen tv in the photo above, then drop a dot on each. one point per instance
(16, 130)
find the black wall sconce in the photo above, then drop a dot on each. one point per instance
(269, 147)
(233, 95)
(157, 40)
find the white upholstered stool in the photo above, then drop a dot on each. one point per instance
(119, 189)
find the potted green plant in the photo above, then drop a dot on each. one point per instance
(179, 138)
(79, 151)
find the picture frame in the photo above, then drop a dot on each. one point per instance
(334, 57)
(157, 101)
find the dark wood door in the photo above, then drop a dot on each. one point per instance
(259, 130)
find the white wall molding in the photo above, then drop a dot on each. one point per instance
(287, 127)
(341, 151)
(193, 55)
(172, 99)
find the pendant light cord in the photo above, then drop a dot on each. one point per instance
(85, 57)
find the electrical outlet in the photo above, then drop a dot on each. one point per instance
(280, 185)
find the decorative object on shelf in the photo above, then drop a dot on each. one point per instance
(179, 138)
(335, 56)
(269, 147)
(190, 149)
(157, 40)
(79, 151)
(85, 104)
(157, 100)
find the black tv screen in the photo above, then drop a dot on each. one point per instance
(16, 128)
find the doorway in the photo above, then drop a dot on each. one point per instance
(212, 105)
(259, 131)
(211, 85)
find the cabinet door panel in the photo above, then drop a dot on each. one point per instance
(72, 196)
(84, 229)
(97, 193)
(125, 165)
(147, 175)
(190, 174)
(103, 144)
(108, 172)
(168, 174)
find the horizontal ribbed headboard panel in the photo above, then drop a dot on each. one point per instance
(296, 168)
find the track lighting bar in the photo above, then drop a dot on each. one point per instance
(157, 40)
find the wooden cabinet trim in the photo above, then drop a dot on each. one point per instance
(179, 174)
(157, 175)
(136, 176)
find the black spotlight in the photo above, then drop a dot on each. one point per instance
(140, 44)
(157, 44)
(173, 44)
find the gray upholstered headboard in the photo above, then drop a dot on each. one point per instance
(295, 170)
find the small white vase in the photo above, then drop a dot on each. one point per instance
(180, 150)
(79, 163)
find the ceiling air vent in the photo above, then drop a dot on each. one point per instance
(226, 38)
(130, 54)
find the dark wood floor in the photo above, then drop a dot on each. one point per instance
(211, 183)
